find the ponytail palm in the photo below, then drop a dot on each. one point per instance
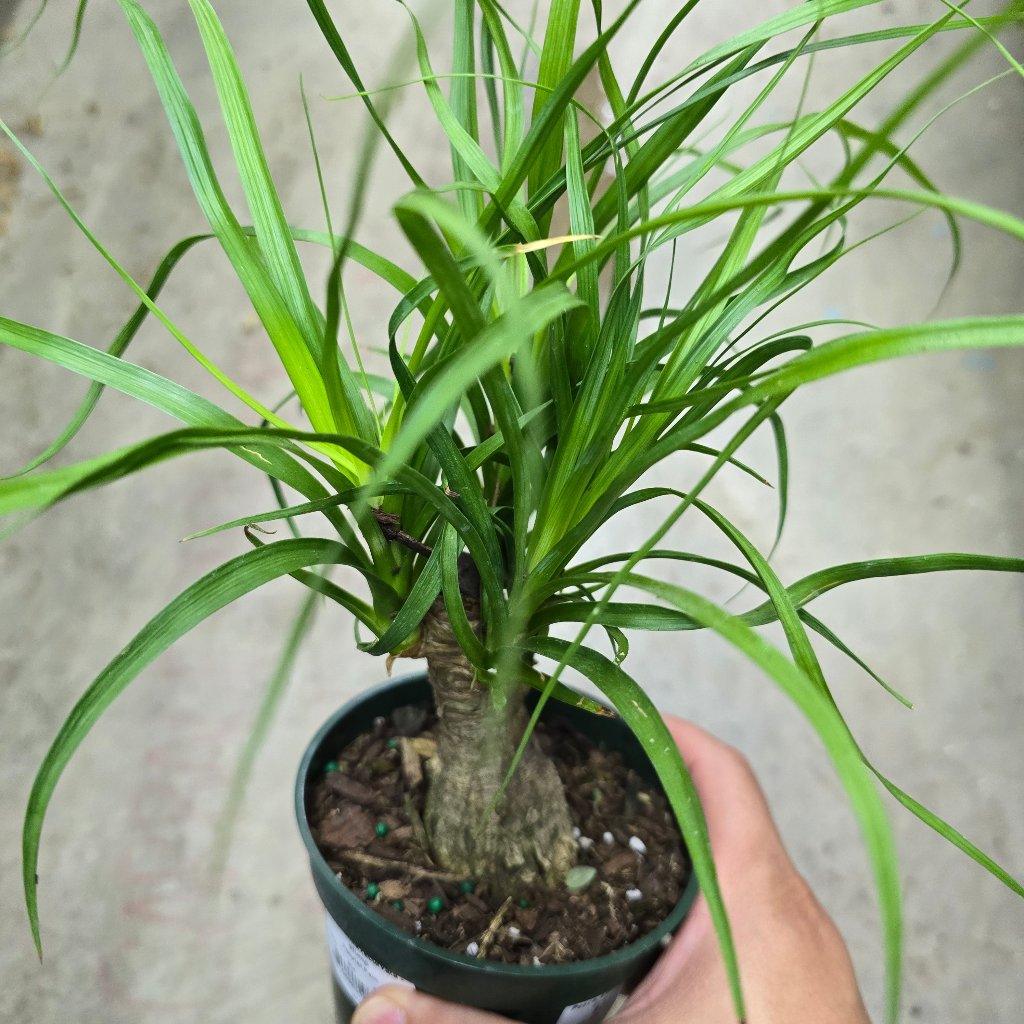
(535, 380)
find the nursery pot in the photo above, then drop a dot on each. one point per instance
(366, 951)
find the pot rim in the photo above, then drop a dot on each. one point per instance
(634, 950)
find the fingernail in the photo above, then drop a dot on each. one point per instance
(379, 1010)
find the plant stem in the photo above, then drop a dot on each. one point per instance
(526, 839)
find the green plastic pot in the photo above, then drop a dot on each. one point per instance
(366, 951)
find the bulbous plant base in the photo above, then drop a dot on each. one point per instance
(524, 841)
(525, 838)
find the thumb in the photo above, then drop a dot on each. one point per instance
(395, 1004)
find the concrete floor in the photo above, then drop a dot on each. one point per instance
(921, 456)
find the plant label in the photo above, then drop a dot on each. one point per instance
(590, 1010)
(357, 974)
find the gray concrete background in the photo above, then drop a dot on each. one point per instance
(920, 456)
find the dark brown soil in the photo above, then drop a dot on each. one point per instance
(366, 818)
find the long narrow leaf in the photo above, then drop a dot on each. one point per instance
(117, 348)
(298, 360)
(214, 591)
(140, 383)
(639, 713)
(272, 232)
(175, 332)
(843, 751)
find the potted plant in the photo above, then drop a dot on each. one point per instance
(533, 380)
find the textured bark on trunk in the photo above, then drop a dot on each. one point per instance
(527, 839)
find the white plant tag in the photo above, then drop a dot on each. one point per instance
(357, 974)
(589, 1010)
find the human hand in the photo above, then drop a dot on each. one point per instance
(794, 966)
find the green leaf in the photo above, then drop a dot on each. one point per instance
(451, 590)
(495, 342)
(666, 140)
(785, 608)
(385, 599)
(383, 268)
(117, 348)
(76, 34)
(638, 711)
(785, 605)
(821, 582)
(366, 614)
(175, 332)
(463, 103)
(219, 588)
(797, 17)
(76, 37)
(350, 496)
(548, 119)
(480, 537)
(842, 749)
(949, 833)
(852, 351)
(41, 489)
(160, 392)
(581, 222)
(782, 460)
(410, 615)
(563, 694)
(555, 61)
(341, 52)
(659, 44)
(296, 356)
(509, 133)
(272, 233)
